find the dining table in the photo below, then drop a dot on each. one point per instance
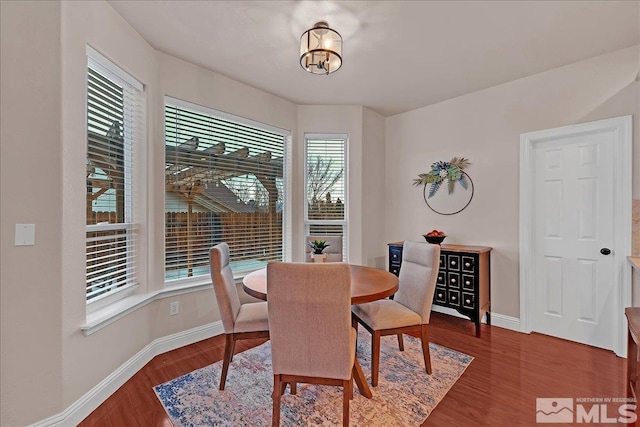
(367, 284)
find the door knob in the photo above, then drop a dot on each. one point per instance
(605, 251)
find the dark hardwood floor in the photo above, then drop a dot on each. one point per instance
(499, 388)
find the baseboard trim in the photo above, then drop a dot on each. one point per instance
(506, 322)
(80, 409)
(497, 319)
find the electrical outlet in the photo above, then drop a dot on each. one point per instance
(174, 308)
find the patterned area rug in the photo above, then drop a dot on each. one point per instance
(405, 395)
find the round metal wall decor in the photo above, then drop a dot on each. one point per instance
(448, 176)
(445, 203)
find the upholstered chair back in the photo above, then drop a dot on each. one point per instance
(418, 276)
(310, 319)
(224, 286)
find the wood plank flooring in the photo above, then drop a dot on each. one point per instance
(499, 388)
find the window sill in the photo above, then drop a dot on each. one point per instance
(109, 314)
(105, 316)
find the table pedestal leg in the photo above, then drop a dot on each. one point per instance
(361, 381)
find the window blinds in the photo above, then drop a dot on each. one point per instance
(115, 126)
(224, 183)
(326, 186)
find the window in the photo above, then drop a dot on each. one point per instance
(224, 182)
(325, 210)
(115, 126)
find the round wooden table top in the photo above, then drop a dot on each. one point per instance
(367, 284)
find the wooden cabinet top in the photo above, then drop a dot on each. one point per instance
(456, 248)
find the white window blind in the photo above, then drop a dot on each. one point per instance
(115, 126)
(224, 182)
(326, 205)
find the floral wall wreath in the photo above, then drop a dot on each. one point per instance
(452, 172)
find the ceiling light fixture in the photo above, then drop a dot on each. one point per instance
(321, 49)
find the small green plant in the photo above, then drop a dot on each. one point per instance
(318, 246)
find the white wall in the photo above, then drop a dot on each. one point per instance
(372, 160)
(485, 127)
(30, 181)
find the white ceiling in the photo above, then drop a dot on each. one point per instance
(397, 55)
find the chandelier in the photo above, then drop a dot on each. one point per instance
(321, 49)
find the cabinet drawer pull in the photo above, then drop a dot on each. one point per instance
(467, 301)
(467, 264)
(453, 298)
(453, 263)
(395, 255)
(439, 295)
(453, 280)
(467, 282)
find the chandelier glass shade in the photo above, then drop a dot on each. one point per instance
(321, 49)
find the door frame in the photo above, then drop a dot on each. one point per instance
(622, 199)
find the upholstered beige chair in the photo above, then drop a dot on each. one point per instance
(312, 340)
(240, 321)
(410, 309)
(333, 252)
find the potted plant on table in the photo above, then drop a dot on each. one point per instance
(318, 247)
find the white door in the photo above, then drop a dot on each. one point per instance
(573, 223)
(576, 286)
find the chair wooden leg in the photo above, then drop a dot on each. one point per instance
(400, 342)
(424, 337)
(275, 415)
(354, 325)
(293, 388)
(351, 392)
(375, 357)
(346, 392)
(228, 352)
(233, 349)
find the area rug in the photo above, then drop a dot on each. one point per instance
(405, 395)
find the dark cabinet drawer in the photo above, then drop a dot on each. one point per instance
(468, 282)
(454, 280)
(453, 262)
(468, 264)
(468, 300)
(442, 278)
(443, 261)
(453, 298)
(395, 254)
(395, 269)
(440, 295)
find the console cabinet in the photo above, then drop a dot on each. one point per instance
(463, 279)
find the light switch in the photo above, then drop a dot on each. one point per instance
(25, 234)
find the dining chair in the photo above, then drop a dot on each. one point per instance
(333, 252)
(410, 309)
(240, 321)
(312, 339)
